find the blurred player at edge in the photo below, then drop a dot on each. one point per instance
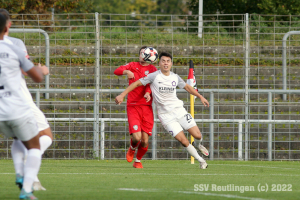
(16, 117)
(170, 110)
(139, 108)
(43, 126)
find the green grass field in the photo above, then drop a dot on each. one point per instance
(117, 179)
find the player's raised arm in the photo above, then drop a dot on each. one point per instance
(124, 70)
(119, 99)
(192, 91)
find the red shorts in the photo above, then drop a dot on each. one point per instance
(140, 118)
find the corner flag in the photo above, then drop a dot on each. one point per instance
(192, 82)
(191, 77)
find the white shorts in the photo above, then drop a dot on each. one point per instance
(24, 128)
(177, 120)
(39, 117)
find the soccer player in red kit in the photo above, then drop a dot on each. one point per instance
(139, 108)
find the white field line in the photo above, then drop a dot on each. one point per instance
(257, 166)
(155, 174)
(190, 192)
(222, 195)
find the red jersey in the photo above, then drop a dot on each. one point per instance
(136, 96)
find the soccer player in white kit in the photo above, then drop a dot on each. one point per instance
(170, 110)
(16, 117)
(18, 149)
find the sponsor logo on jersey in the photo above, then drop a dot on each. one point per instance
(146, 72)
(135, 127)
(166, 89)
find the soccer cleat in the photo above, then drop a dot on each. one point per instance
(38, 186)
(130, 154)
(19, 181)
(25, 195)
(203, 165)
(202, 149)
(137, 165)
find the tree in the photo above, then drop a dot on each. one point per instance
(43, 6)
(230, 7)
(278, 7)
(173, 7)
(125, 6)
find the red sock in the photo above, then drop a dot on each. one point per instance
(141, 152)
(134, 146)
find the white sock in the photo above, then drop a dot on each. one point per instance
(197, 142)
(36, 179)
(18, 151)
(31, 168)
(137, 160)
(193, 152)
(45, 142)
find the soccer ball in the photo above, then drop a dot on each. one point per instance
(149, 54)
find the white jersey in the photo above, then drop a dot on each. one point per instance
(20, 44)
(12, 104)
(164, 90)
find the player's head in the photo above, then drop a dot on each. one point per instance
(3, 27)
(5, 13)
(165, 62)
(140, 54)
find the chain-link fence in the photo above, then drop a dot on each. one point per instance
(85, 49)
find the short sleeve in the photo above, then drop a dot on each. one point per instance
(25, 64)
(181, 83)
(149, 78)
(21, 45)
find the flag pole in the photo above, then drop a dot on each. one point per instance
(192, 82)
(192, 113)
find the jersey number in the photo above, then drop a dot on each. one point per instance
(1, 87)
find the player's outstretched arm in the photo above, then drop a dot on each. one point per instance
(119, 99)
(192, 91)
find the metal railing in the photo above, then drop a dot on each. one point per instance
(96, 120)
(47, 47)
(237, 62)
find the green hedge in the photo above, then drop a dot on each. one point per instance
(176, 61)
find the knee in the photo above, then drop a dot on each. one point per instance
(136, 137)
(46, 132)
(144, 142)
(184, 141)
(198, 135)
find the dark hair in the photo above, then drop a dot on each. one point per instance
(2, 23)
(143, 47)
(5, 13)
(165, 54)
